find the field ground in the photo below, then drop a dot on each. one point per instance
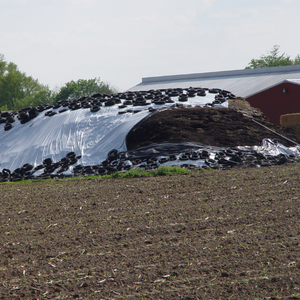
(205, 235)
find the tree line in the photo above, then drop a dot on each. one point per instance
(17, 90)
(273, 59)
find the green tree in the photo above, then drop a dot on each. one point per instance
(82, 87)
(18, 90)
(273, 59)
(2, 65)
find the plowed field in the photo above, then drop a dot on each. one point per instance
(207, 235)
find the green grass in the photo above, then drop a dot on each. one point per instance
(138, 172)
(165, 170)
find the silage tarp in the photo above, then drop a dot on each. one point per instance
(89, 134)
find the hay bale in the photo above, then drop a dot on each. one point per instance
(289, 120)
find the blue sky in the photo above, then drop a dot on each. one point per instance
(121, 41)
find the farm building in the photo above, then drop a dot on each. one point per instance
(282, 98)
(276, 91)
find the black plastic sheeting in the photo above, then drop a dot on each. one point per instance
(199, 156)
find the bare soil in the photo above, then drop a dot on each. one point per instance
(206, 235)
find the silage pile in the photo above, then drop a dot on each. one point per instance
(87, 136)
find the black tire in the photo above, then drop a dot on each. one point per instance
(73, 161)
(170, 101)
(10, 119)
(229, 152)
(49, 169)
(86, 105)
(78, 169)
(97, 95)
(201, 93)
(62, 169)
(149, 97)
(47, 161)
(204, 154)
(114, 163)
(6, 172)
(5, 114)
(27, 167)
(214, 91)
(236, 158)
(110, 103)
(231, 96)
(174, 94)
(172, 157)
(51, 113)
(62, 110)
(40, 108)
(160, 102)
(71, 155)
(8, 127)
(112, 153)
(194, 156)
(33, 113)
(39, 167)
(95, 102)
(105, 163)
(210, 162)
(191, 95)
(183, 99)
(184, 157)
(95, 108)
(116, 100)
(75, 106)
(102, 171)
(163, 160)
(65, 104)
(25, 119)
(57, 105)
(123, 155)
(17, 171)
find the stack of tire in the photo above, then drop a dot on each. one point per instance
(116, 161)
(23, 173)
(63, 165)
(5, 175)
(8, 118)
(26, 114)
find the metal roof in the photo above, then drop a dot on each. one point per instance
(242, 83)
(295, 81)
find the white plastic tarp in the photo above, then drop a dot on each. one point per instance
(89, 134)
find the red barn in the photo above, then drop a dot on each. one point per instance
(283, 98)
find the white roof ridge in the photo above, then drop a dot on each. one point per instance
(182, 77)
(293, 80)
